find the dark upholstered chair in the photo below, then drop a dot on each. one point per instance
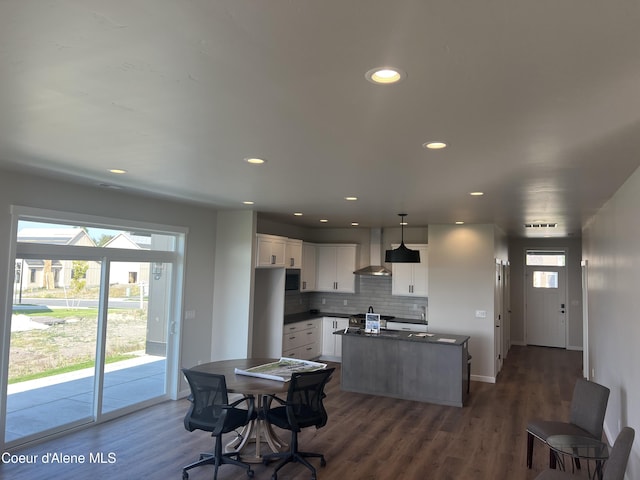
(210, 411)
(614, 468)
(303, 408)
(586, 416)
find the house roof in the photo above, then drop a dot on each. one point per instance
(536, 100)
(52, 236)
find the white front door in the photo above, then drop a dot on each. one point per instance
(546, 315)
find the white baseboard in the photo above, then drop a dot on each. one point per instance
(483, 378)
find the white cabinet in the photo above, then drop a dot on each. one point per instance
(308, 272)
(407, 327)
(270, 250)
(336, 263)
(293, 253)
(411, 279)
(332, 344)
(302, 339)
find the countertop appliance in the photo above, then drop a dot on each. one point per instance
(357, 320)
(292, 281)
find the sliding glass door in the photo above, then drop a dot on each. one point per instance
(52, 350)
(136, 336)
(91, 326)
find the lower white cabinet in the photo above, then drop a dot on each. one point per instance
(302, 339)
(407, 327)
(332, 344)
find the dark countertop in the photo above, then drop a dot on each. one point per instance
(302, 316)
(439, 338)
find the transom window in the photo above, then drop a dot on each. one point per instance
(547, 258)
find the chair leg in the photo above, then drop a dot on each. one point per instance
(216, 459)
(529, 450)
(294, 456)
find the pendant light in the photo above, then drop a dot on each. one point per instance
(402, 254)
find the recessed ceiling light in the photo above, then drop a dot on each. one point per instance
(254, 160)
(323, 220)
(248, 202)
(298, 214)
(434, 145)
(385, 75)
(351, 199)
(354, 224)
(459, 223)
(476, 194)
(117, 171)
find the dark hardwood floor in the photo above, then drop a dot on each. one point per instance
(366, 437)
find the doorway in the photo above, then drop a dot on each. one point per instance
(88, 340)
(546, 298)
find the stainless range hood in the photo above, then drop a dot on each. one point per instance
(375, 266)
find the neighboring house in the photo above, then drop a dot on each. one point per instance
(49, 274)
(123, 273)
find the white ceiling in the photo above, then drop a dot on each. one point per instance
(539, 101)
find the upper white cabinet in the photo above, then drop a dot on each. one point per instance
(336, 263)
(293, 253)
(411, 279)
(309, 263)
(270, 251)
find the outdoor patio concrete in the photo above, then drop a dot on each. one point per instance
(39, 405)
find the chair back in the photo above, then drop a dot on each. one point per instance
(616, 466)
(304, 399)
(588, 406)
(208, 396)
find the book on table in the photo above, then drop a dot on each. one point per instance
(282, 369)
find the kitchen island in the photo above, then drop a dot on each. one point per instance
(422, 367)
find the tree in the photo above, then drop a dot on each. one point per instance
(103, 240)
(78, 278)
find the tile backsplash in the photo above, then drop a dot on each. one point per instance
(371, 291)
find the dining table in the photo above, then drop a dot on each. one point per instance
(258, 431)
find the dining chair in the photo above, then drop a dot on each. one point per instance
(614, 468)
(302, 408)
(586, 417)
(211, 411)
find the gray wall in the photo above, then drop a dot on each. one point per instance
(462, 269)
(610, 247)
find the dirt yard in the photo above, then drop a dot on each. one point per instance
(72, 340)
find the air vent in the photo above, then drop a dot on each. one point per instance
(540, 225)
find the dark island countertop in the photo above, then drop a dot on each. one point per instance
(303, 316)
(439, 338)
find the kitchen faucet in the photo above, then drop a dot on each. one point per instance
(370, 309)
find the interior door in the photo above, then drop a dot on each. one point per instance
(498, 303)
(546, 306)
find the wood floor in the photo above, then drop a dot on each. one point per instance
(366, 437)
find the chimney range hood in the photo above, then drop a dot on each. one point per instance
(375, 266)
